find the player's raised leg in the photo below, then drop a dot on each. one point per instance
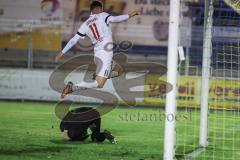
(70, 87)
(104, 64)
(103, 61)
(116, 71)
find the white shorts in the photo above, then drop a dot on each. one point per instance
(103, 61)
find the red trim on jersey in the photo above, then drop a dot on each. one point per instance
(96, 29)
(94, 34)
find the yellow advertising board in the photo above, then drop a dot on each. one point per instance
(44, 16)
(188, 91)
(222, 93)
(47, 39)
(234, 4)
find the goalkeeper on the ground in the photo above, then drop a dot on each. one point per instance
(75, 130)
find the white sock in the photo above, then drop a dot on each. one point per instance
(86, 85)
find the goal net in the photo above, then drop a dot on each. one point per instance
(209, 83)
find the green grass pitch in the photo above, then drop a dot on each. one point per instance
(30, 131)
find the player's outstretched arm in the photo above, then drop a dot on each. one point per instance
(69, 45)
(117, 19)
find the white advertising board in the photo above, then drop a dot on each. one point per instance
(26, 84)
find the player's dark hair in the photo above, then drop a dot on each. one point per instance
(95, 4)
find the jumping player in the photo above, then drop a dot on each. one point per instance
(98, 29)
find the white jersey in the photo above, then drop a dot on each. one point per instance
(98, 29)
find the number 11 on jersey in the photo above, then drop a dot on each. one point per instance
(95, 31)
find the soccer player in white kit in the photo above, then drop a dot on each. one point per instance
(98, 28)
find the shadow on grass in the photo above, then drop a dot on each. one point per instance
(191, 153)
(63, 142)
(33, 149)
(182, 155)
